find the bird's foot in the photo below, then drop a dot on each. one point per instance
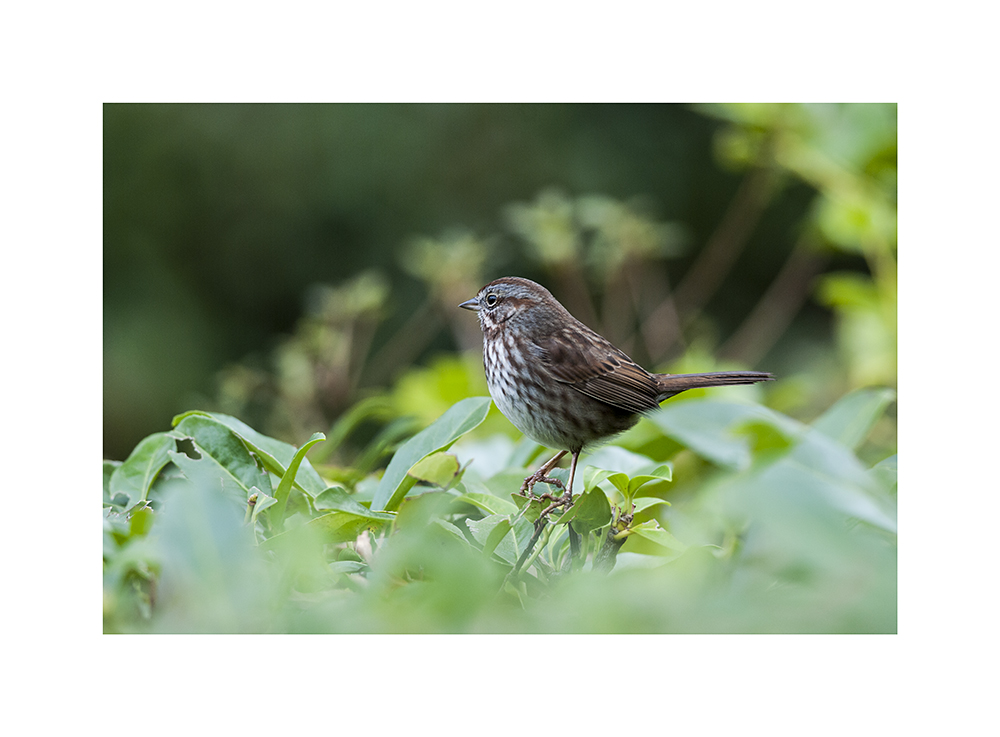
(539, 477)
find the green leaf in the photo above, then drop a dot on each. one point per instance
(884, 472)
(663, 472)
(223, 461)
(535, 507)
(652, 531)
(277, 515)
(439, 469)
(333, 527)
(451, 530)
(263, 502)
(646, 502)
(136, 475)
(627, 486)
(109, 500)
(488, 503)
(851, 419)
(336, 498)
(590, 511)
(140, 522)
(705, 426)
(347, 566)
(274, 454)
(508, 542)
(497, 534)
(453, 424)
(593, 476)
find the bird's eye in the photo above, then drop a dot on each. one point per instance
(491, 299)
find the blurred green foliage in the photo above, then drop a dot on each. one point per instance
(757, 523)
(696, 239)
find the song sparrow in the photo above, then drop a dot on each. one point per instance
(562, 384)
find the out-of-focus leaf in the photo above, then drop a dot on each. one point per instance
(764, 436)
(488, 503)
(512, 540)
(618, 459)
(438, 469)
(347, 566)
(498, 533)
(212, 578)
(652, 531)
(448, 428)
(109, 470)
(337, 498)
(333, 527)
(136, 475)
(885, 473)
(707, 427)
(851, 419)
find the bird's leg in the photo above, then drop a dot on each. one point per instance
(542, 475)
(574, 537)
(568, 496)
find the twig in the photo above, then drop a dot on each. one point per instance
(724, 246)
(539, 526)
(781, 302)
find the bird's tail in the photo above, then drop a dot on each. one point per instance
(669, 385)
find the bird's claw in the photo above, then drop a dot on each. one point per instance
(539, 477)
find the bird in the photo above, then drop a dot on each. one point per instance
(561, 383)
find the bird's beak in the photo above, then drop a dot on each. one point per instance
(471, 304)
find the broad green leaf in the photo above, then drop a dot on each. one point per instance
(497, 534)
(439, 469)
(347, 566)
(626, 485)
(451, 529)
(660, 473)
(508, 482)
(851, 419)
(140, 522)
(277, 515)
(224, 461)
(134, 477)
(535, 507)
(512, 539)
(643, 503)
(336, 498)
(275, 454)
(654, 533)
(620, 481)
(764, 436)
(453, 424)
(333, 527)
(109, 469)
(488, 503)
(590, 511)
(618, 459)
(593, 476)
(706, 427)
(885, 473)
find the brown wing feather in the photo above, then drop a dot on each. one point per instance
(581, 358)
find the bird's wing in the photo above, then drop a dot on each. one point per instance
(591, 365)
